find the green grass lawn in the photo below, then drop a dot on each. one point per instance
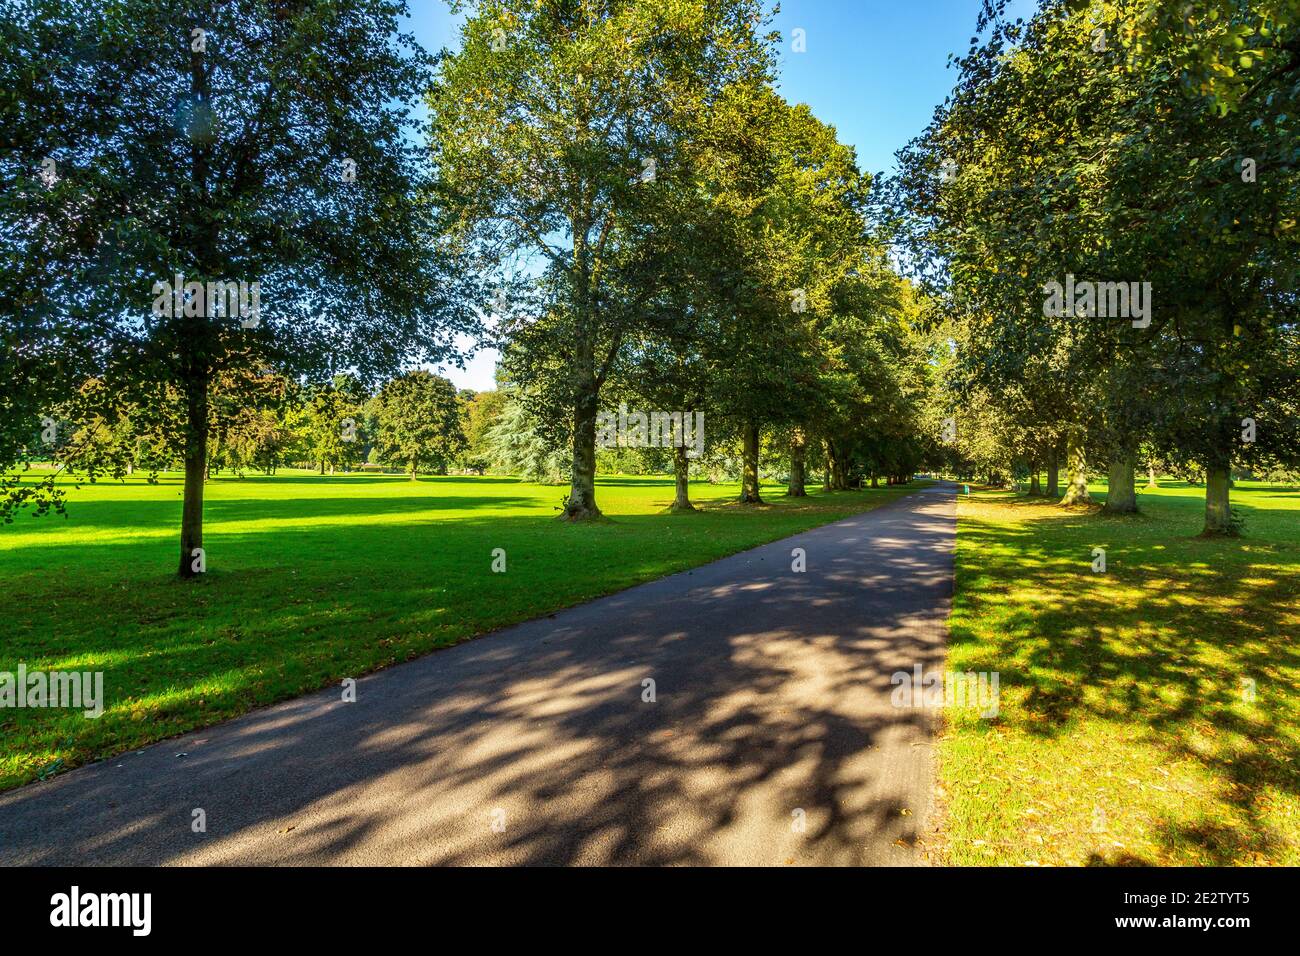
(1126, 733)
(311, 579)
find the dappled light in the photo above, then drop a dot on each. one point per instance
(1130, 683)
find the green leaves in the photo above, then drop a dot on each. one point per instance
(419, 422)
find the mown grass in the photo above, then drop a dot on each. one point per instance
(1128, 732)
(312, 579)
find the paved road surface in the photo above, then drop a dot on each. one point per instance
(771, 741)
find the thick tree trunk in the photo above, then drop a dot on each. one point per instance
(1121, 489)
(582, 484)
(1053, 474)
(415, 465)
(1218, 510)
(1076, 468)
(682, 472)
(798, 467)
(835, 464)
(749, 476)
(875, 480)
(1035, 486)
(196, 463)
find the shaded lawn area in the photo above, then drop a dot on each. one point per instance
(1127, 733)
(312, 579)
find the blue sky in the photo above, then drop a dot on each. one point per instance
(874, 69)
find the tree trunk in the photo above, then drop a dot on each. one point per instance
(1035, 486)
(1053, 474)
(749, 484)
(196, 463)
(1121, 493)
(835, 464)
(415, 464)
(1151, 475)
(582, 485)
(1218, 511)
(798, 466)
(1076, 468)
(194, 347)
(682, 471)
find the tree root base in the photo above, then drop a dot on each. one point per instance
(583, 516)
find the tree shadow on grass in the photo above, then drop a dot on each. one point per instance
(1161, 644)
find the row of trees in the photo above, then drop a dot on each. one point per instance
(698, 243)
(1150, 144)
(649, 219)
(416, 421)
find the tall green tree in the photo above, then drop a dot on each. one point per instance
(334, 423)
(558, 130)
(419, 422)
(239, 141)
(481, 413)
(517, 445)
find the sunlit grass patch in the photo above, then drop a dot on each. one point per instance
(1149, 714)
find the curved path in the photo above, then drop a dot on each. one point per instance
(771, 738)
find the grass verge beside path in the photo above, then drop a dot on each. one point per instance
(1149, 714)
(312, 579)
